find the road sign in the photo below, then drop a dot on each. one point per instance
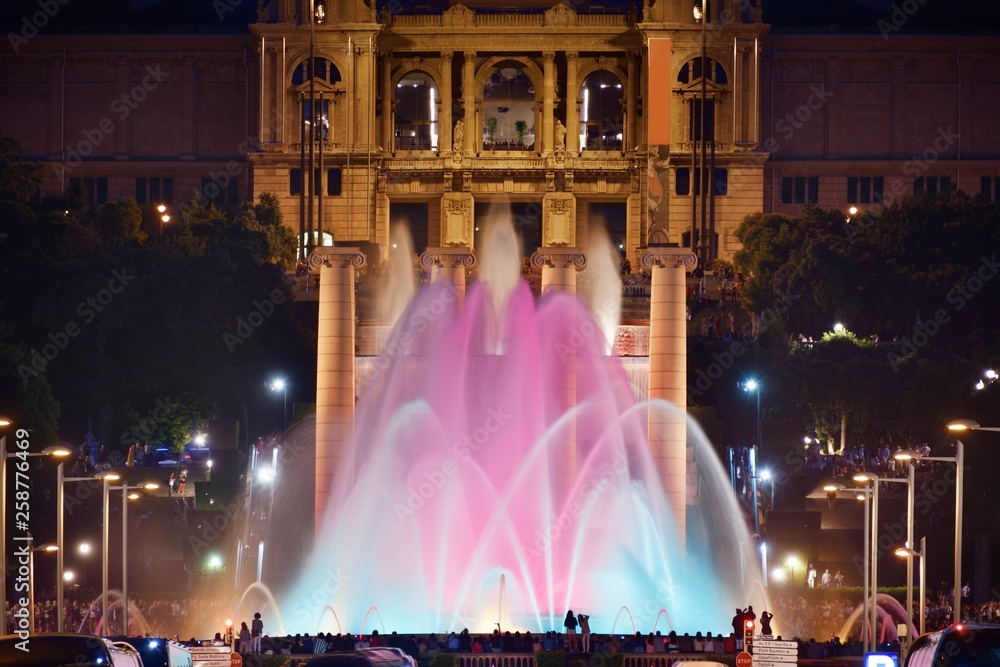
(771, 643)
(744, 659)
(770, 651)
(235, 659)
(771, 663)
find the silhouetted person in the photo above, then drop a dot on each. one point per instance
(765, 622)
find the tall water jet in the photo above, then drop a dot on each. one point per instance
(601, 286)
(449, 488)
(398, 285)
(500, 256)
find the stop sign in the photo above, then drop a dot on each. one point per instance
(744, 659)
(236, 660)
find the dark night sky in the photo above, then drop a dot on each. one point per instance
(948, 16)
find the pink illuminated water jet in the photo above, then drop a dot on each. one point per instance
(503, 474)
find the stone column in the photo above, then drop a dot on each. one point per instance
(123, 133)
(559, 268)
(548, 99)
(469, 100)
(188, 109)
(572, 103)
(388, 95)
(449, 264)
(444, 132)
(668, 371)
(335, 392)
(631, 100)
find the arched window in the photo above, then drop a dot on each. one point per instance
(509, 110)
(601, 123)
(692, 75)
(692, 69)
(416, 122)
(323, 70)
(324, 75)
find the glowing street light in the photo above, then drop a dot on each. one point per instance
(21, 455)
(45, 548)
(907, 552)
(754, 386)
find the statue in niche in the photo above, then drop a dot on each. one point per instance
(459, 135)
(560, 135)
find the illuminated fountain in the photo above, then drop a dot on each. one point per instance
(457, 511)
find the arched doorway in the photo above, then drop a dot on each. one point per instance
(601, 116)
(509, 110)
(416, 120)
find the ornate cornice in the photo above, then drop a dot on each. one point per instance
(337, 258)
(668, 258)
(451, 258)
(559, 258)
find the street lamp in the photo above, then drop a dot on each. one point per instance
(162, 210)
(279, 384)
(108, 477)
(909, 553)
(45, 548)
(870, 477)
(960, 425)
(22, 467)
(769, 478)
(909, 456)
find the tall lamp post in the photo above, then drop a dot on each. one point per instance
(909, 457)
(45, 548)
(875, 480)
(957, 426)
(55, 450)
(124, 488)
(908, 552)
(61, 480)
(106, 477)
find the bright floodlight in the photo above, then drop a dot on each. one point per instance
(84, 548)
(980, 385)
(161, 208)
(853, 210)
(990, 375)
(278, 384)
(963, 425)
(199, 439)
(765, 475)
(751, 385)
(779, 574)
(68, 575)
(838, 327)
(833, 486)
(792, 561)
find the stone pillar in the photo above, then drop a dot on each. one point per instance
(631, 101)
(188, 108)
(444, 133)
(559, 268)
(548, 99)
(572, 103)
(668, 371)
(335, 392)
(469, 100)
(388, 95)
(123, 133)
(55, 147)
(449, 264)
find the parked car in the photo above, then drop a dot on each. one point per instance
(64, 650)
(960, 645)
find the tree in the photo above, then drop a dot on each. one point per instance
(120, 222)
(19, 180)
